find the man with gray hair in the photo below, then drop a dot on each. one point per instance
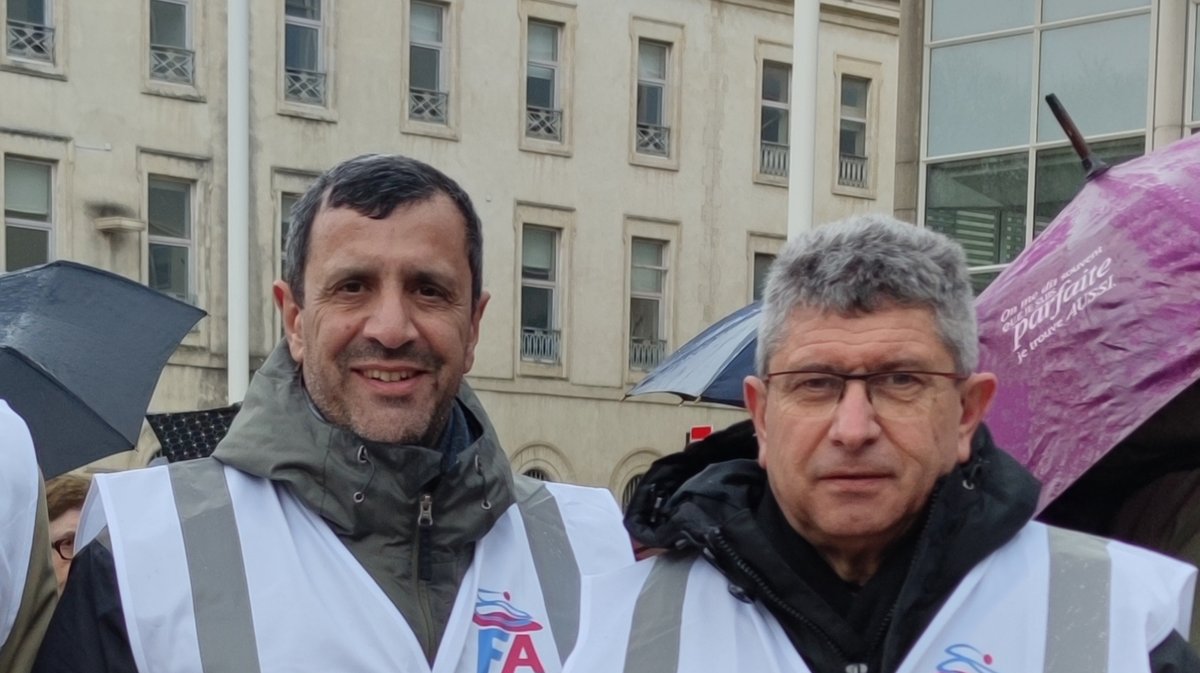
(863, 521)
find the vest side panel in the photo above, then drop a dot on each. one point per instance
(1151, 596)
(151, 568)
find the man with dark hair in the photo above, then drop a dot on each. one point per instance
(862, 521)
(360, 515)
(64, 503)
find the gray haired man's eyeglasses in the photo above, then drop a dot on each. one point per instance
(893, 394)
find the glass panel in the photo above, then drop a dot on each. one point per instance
(426, 23)
(954, 18)
(652, 60)
(300, 48)
(775, 125)
(27, 189)
(982, 279)
(536, 303)
(543, 42)
(650, 104)
(423, 66)
(648, 281)
(25, 247)
(853, 138)
(1055, 10)
(537, 253)
(539, 87)
(169, 270)
(1099, 71)
(643, 318)
(981, 204)
(647, 253)
(776, 81)
(29, 11)
(304, 9)
(854, 96)
(762, 264)
(979, 95)
(168, 24)
(170, 211)
(1059, 175)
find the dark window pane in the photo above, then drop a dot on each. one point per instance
(1060, 175)
(981, 204)
(423, 68)
(169, 270)
(29, 11)
(168, 24)
(776, 80)
(762, 264)
(775, 125)
(539, 87)
(301, 48)
(25, 247)
(170, 209)
(304, 9)
(650, 104)
(537, 307)
(643, 318)
(853, 138)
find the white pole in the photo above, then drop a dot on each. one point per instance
(807, 17)
(237, 222)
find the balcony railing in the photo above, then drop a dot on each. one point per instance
(30, 40)
(543, 123)
(427, 106)
(305, 86)
(645, 354)
(171, 64)
(540, 345)
(653, 139)
(773, 159)
(852, 171)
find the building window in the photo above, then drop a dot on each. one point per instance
(852, 133)
(427, 96)
(540, 334)
(171, 56)
(773, 131)
(304, 52)
(762, 265)
(629, 489)
(996, 62)
(28, 213)
(169, 219)
(537, 473)
(647, 303)
(30, 31)
(653, 132)
(543, 111)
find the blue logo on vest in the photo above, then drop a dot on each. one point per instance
(966, 659)
(500, 621)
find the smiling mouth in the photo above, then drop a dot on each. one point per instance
(388, 377)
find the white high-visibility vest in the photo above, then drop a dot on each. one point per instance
(220, 571)
(18, 512)
(1050, 600)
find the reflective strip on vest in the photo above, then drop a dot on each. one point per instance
(1080, 592)
(658, 618)
(553, 559)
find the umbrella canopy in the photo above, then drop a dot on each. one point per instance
(711, 366)
(81, 350)
(185, 435)
(1096, 325)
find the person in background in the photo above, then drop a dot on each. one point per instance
(863, 521)
(360, 515)
(27, 593)
(64, 501)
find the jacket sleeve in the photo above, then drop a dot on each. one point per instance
(87, 633)
(1174, 655)
(37, 599)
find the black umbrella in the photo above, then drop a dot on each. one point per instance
(81, 350)
(184, 435)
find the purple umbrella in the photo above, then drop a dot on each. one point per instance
(1096, 325)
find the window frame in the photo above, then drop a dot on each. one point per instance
(872, 72)
(189, 243)
(563, 17)
(552, 285)
(326, 110)
(173, 88)
(54, 17)
(561, 220)
(283, 181)
(766, 52)
(448, 78)
(555, 68)
(760, 244)
(671, 35)
(661, 297)
(48, 226)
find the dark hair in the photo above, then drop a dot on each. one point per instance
(374, 185)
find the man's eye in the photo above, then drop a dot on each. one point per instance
(818, 384)
(351, 287)
(900, 380)
(431, 291)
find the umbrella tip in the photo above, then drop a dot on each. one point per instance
(1092, 165)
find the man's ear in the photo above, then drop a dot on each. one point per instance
(473, 337)
(754, 392)
(978, 391)
(289, 312)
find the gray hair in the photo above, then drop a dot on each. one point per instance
(864, 264)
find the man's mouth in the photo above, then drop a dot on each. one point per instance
(388, 376)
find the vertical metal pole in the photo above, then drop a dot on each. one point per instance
(807, 17)
(237, 221)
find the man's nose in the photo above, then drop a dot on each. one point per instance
(391, 321)
(855, 423)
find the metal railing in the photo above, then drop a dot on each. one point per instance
(653, 139)
(304, 86)
(171, 64)
(540, 345)
(645, 354)
(773, 159)
(427, 106)
(30, 40)
(852, 171)
(543, 123)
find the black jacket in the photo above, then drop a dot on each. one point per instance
(713, 498)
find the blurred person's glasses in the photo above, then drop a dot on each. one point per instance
(65, 548)
(893, 394)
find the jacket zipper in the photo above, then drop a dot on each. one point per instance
(425, 538)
